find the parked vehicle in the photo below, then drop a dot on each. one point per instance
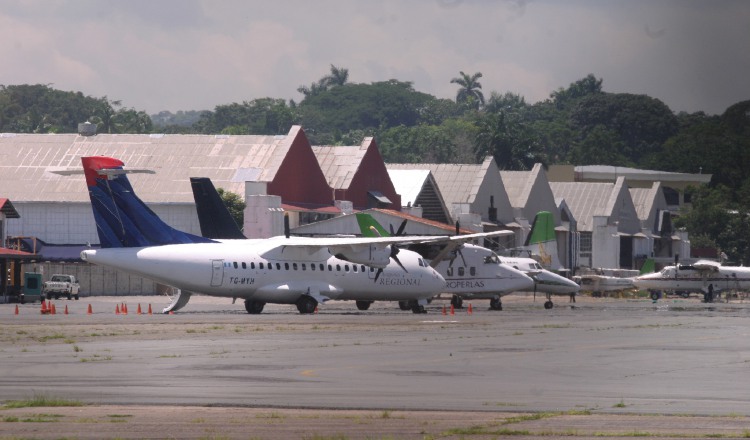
(61, 285)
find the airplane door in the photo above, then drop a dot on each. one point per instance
(217, 272)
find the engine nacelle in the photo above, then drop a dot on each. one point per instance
(371, 255)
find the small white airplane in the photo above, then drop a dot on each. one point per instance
(284, 270)
(704, 276)
(480, 277)
(549, 283)
(481, 274)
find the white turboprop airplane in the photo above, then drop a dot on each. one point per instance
(286, 270)
(549, 283)
(481, 277)
(704, 276)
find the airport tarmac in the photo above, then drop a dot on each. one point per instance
(598, 358)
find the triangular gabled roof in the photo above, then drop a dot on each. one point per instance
(463, 183)
(357, 173)
(646, 200)
(419, 188)
(529, 192)
(587, 200)
(8, 209)
(339, 163)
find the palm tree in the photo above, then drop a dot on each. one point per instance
(338, 76)
(470, 92)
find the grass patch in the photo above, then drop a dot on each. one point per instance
(620, 404)
(41, 400)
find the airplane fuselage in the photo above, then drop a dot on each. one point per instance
(266, 271)
(546, 281)
(478, 273)
(671, 278)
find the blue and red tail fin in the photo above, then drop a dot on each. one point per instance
(122, 219)
(214, 217)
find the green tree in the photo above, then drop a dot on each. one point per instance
(235, 204)
(507, 138)
(470, 93)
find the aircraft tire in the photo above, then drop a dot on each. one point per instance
(306, 305)
(404, 305)
(496, 304)
(364, 305)
(418, 309)
(548, 305)
(655, 295)
(254, 307)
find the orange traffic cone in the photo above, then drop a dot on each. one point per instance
(124, 309)
(149, 309)
(139, 309)
(453, 310)
(16, 309)
(52, 309)
(443, 309)
(117, 309)
(44, 309)
(66, 309)
(470, 311)
(89, 311)
(171, 312)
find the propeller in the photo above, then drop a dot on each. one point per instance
(394, 256)
(400, 230)
(287, 232)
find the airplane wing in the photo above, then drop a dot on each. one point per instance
(707, 265)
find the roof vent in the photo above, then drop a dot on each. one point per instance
(87, 129)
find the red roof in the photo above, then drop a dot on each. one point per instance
(7, 208)
(14, 254)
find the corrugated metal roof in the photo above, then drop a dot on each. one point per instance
(643, 200)
(458, 183)
(585, 200)
(518, 186)
(339, 164)
(27, 162)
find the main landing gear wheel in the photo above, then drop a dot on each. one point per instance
(496, 304)
(548, 304)
(655, 295)
(404, 305)
(457, 302)
(306, 304)
(254, 307)
(364, 305)
(416, 307)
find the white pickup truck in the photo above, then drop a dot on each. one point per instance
(60, 285)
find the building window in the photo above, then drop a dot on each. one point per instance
(584, 244)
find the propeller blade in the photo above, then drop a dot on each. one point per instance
(534, 290)
(395, 258)
(401, 228)
(377, 274)
(286, 225)
(462, 256)
(458, 228)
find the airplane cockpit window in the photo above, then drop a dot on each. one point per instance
(492, 259)
(538, 266)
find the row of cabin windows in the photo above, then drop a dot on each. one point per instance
(320, 266)
(303, 266)
(462, 271)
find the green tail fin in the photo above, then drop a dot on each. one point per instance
(543, 229)
(649, 266)
(370, 227)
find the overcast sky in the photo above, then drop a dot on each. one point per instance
(195, 54)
